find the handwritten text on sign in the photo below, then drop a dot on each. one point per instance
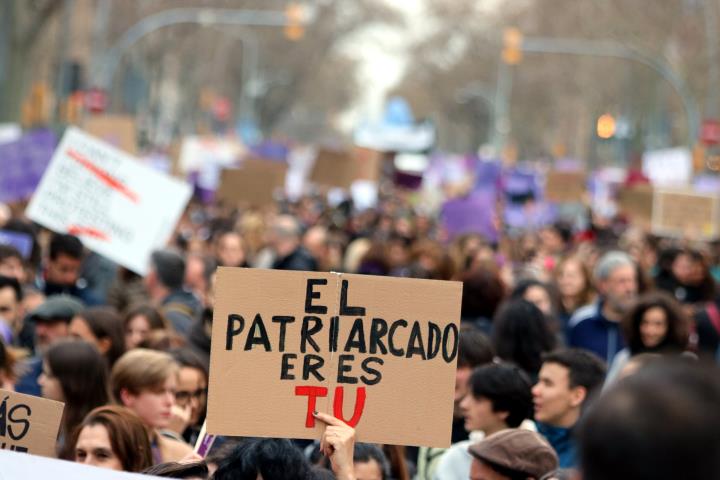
(28, 424)
(328, 339)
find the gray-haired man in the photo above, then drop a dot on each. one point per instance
(596, 327)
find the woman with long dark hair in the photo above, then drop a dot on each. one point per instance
(103, 327)
(521, 335)
(74, 372)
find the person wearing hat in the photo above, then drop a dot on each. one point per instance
(512, 454)
(51, 320)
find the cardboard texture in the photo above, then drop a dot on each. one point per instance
(253, 183)
(119, 207)
(565, 187)
(117, 130)
(686, 214)
(334, 168)
(29, 424)
(369, 164)
(637, 203)
(408, 400)
(21, 466)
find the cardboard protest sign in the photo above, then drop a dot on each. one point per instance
(29, 424)
(334, 168)
(637, 203)
(565, 187)
(23, 466)
(253, 183)
(368, 164)
(686, 214)
(117, 130)
(377, 352)
(117, 206)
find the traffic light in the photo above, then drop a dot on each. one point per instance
(606, 126)
(295, 14)
(512, 46)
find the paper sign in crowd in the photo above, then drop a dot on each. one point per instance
(379, 353)
(28, 424)
(17, 466)
(117, 206)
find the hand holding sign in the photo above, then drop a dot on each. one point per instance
(338, 444)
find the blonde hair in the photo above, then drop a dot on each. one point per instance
(141, 369)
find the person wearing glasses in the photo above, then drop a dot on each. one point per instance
(191, 394)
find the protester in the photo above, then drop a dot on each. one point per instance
(229, 249)
(474, 350)
(112, 437)
(102, 327)
(7, 368)
(567, 380)
(370, 463)
(164, 283)
(499, 397)
(198, 275)
(62, 381)
(689, 279)
(574, 286)
(596, 327)
(12, 264)
(62, 270)
(139, 322)
(50, 321)
(191, 394)
(483, 292)
(288, 252)
(656, 324)
(512, 455)
(521, 335)
(11, 311)
(189, 471)
(145, 381)
(660, 423)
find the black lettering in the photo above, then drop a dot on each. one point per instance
(258, 335)
(283, 321)
(18, 448)
(453, 353)
(307, 332)
(232, 329)
(376, 374)
(334, 329)
(311, 365)
(378, 329)
(342, 368)
(356, 339)
(434, 337)
(398, 352)
(344, 308)
(310, 294)
(415, 344)
(25, 422)
(3, 417)
(287, 366)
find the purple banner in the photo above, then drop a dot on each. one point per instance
(24, 162)
(471, 214)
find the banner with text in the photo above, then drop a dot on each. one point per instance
(28, 424)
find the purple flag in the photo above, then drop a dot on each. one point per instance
(471, 214)
(23, 163)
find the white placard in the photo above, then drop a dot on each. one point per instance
(117, 206)
(671, 167)
(22, 466)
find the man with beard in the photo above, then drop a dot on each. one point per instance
(596, 327)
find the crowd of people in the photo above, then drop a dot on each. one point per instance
(581, 352)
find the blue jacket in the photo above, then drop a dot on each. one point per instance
(590, 330)
(561, 439)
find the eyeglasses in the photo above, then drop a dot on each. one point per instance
(183, 397)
